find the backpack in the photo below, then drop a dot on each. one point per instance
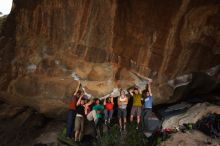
(210, 125)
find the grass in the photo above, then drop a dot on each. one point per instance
(131, 137)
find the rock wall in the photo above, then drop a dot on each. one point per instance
(107, 44)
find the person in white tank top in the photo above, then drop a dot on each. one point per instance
(122, 109)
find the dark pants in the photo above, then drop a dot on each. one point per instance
(108, 114)
(145, 114)
(99, 126)
(70, 122)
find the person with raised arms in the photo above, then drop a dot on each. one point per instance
(72, 111)
(80, 118)
(122, 110)
(137, 104)
(109, 104)
(147, 103)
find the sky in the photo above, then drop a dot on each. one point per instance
(5, 6)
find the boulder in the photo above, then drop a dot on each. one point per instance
(192, 138)
(193, 114)
(108, 45)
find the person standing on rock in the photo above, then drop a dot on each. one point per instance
(137, 105)
(122, 110)
(108, 103)
(72, 111)
(147, 103)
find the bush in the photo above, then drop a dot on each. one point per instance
(131, 137)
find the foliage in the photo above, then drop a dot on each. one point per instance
(132, 137)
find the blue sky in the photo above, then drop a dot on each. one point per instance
(5, 6)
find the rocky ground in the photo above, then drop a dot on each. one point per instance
(190, 138)
(23, 126)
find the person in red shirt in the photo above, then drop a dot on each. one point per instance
(108, 103)
(72, 112)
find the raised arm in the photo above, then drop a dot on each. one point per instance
(131, 92)
(89, 103)
(104, 103)
(79, 100)
(119, 102)
(139, 90)
(126, 101)
(77, 89)
(149, 89)
(112, 100)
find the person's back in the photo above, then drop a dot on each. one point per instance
(72, 104)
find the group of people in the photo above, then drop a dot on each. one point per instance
(81, 109)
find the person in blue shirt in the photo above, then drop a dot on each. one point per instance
(147, 101)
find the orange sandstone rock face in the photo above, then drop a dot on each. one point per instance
(107, 44)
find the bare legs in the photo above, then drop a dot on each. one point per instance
(76, 135)
(138, 119)
(131, 118)
(125, 121)
(122, 123)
